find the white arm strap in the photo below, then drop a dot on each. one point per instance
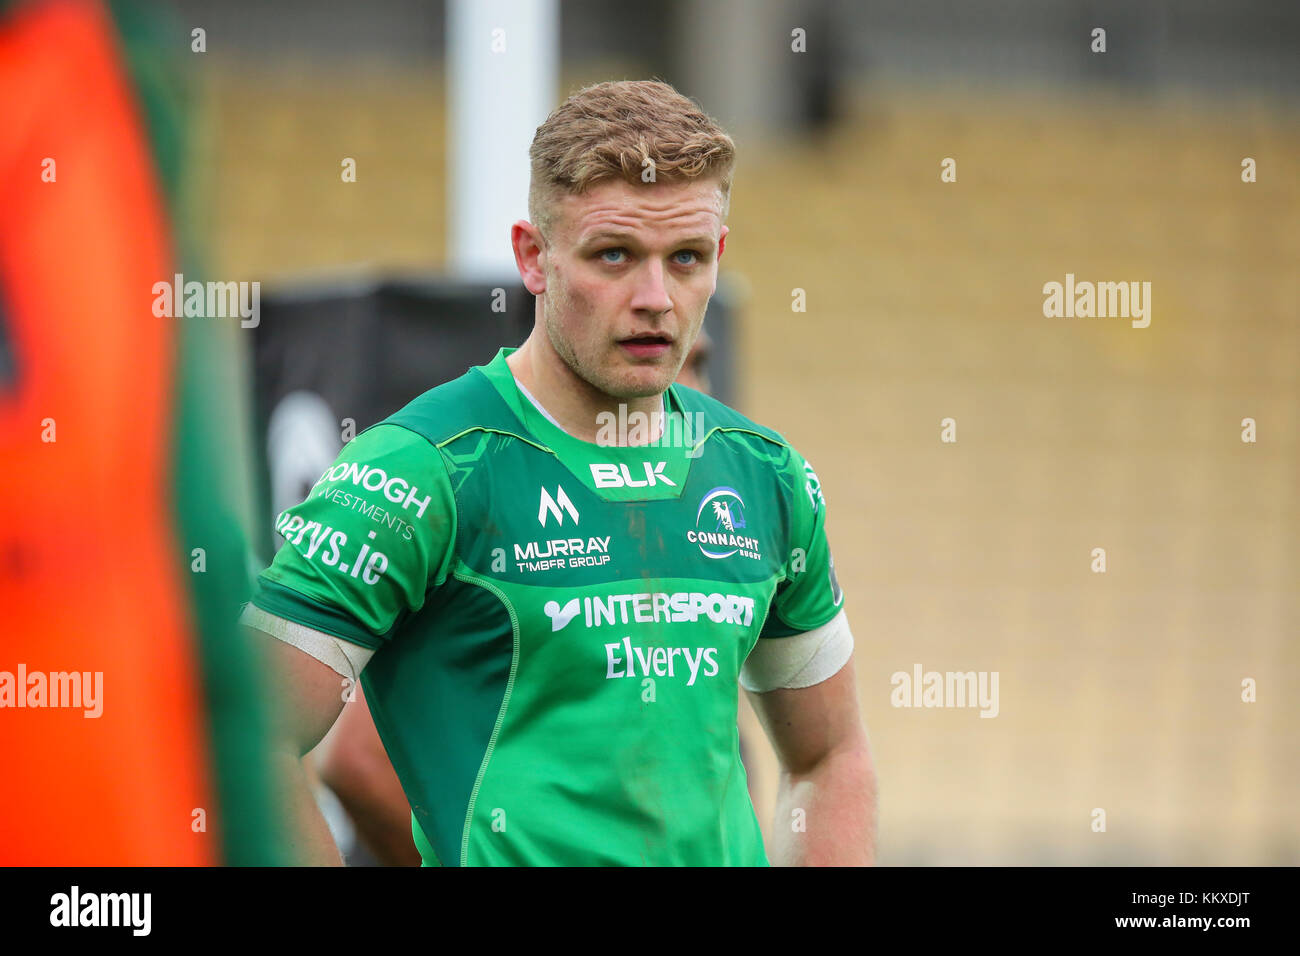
(343, 657)
(800, 660)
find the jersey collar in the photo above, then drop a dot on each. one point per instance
(614, 472)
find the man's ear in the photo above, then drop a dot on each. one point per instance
(722, 244)
(529, 247)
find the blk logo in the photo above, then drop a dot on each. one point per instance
(618, 476)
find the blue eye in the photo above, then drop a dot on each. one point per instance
(606, 252)
(688, 252)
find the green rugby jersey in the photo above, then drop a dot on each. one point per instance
(559, 625)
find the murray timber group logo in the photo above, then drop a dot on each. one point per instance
(718, 520)
(556, 553)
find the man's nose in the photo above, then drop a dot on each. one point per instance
(651, 291)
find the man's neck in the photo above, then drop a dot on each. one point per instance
(571, 403)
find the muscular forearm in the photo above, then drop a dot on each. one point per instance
(310, 842)
(826, 815)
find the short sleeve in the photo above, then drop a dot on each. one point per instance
(810, 596)
(373, 536)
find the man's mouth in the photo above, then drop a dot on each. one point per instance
(647, 344)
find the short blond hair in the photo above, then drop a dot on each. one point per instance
(609, 130)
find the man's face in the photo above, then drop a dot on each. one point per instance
(629, 272)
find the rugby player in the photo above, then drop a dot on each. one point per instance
(351, 760)
(550, 627)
